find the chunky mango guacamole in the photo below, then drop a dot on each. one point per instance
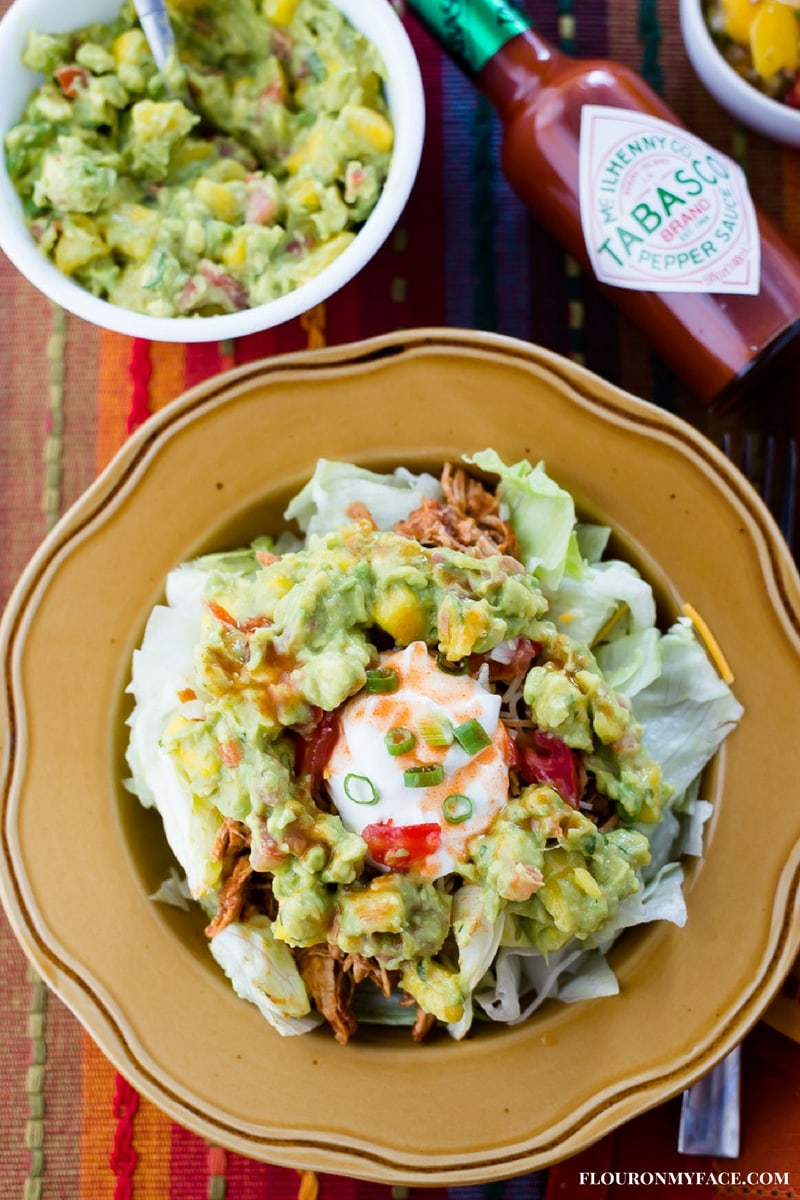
(226, 181)
(423, 763)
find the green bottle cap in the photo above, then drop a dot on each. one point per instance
(471, 31)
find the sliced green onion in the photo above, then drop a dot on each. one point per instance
(451, 668)
(427, 775)
(457, 808)
(471, 736)
(399, 740)
(382, 679)
(436, 730)
(360, 789)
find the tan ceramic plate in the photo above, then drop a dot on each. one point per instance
(80, 857)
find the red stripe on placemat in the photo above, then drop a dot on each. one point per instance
(139, 371)
(203, 359)
(425, 209)
(188, 1165)
(255, 346)
(123, 1152)
(344, 311)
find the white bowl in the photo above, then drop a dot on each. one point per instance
(745, 102)
(376, 19)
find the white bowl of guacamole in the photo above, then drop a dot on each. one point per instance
(217, 202)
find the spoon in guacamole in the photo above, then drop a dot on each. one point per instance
(157, 28)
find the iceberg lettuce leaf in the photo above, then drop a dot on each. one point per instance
(322, 505)
(541, 512)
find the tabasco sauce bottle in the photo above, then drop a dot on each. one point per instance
(662, 221)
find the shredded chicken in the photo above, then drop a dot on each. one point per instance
(467, 519)
(231, 848)
(234, 895)
(423, 1024)
(232, 840)
(363, 968)
(330, 987)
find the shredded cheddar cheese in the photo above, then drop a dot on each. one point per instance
(711, 643)
(610, 623)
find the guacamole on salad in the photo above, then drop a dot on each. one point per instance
(226, 181)
(424, 762)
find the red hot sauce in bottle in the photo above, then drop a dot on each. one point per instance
(662, 221)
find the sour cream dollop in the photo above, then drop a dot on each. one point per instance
(369, 785)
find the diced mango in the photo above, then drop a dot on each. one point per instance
(234, 255)
(775, 40)
(587, 883)
(306, 153)
(219, 200)
(280, 11)
(130, 48)
(132, 228)
(160, 118)
(401, 613)
(190, 153)
(304, 193)
(79, 244)
(738, 16)
(370, 127)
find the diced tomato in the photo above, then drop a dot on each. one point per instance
(221, 613)
(260, 209)
(266, 558)
(525, 651)
(269, 855)
(72, 79)
(315, 750)
(276, 90)
(186, 694)
(246, 625)
(230, 752)
(225, 284)
(541, 757)
(400, 847)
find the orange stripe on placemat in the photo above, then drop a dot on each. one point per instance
(113, 391)
(98, 1124)
(154, 1146)
(313, 325)
(167, 373)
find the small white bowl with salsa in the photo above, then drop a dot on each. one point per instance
(726, 52)
(210, 258)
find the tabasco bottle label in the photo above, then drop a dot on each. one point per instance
(661, 210)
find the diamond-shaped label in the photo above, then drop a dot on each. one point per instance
(661, 210)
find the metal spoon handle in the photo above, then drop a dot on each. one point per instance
(709, 1122)
(157, 28)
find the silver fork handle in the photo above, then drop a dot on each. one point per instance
(710, 1121)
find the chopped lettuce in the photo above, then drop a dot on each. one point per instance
(323, 503)
(688, 710)
(541, 512)
(263, 971)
